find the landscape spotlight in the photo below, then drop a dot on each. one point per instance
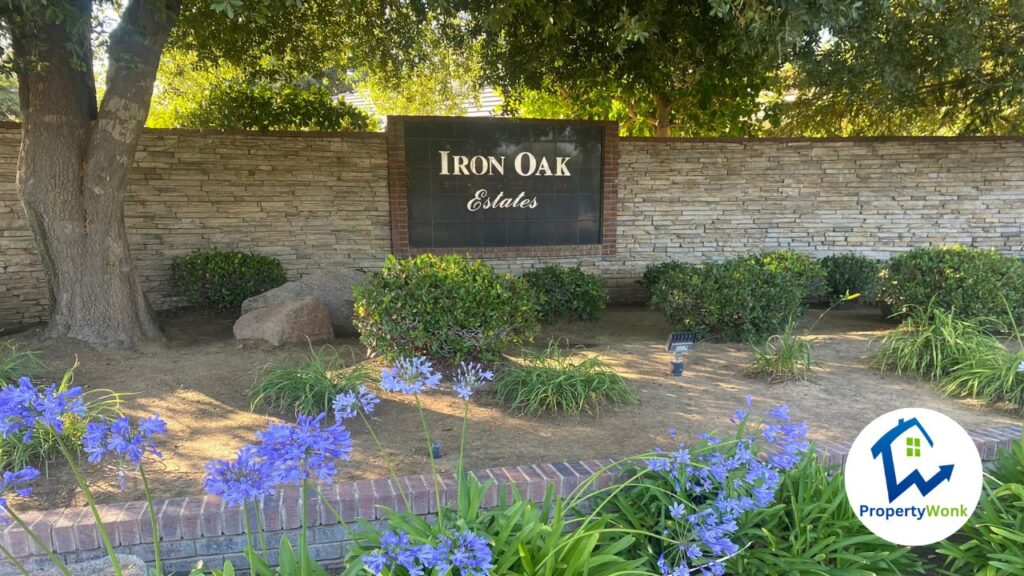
(680, 343)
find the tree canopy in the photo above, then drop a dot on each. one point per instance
(683, 68)
(913, 67)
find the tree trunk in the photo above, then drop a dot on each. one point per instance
(73, 171)
(662, 118)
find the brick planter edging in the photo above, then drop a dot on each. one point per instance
(205, 528)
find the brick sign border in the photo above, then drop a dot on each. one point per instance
(398, 196)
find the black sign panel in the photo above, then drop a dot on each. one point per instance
(501, 182)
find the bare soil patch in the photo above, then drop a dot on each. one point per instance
(199, 379)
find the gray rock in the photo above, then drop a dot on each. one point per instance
(332, 287)
(130, 566)
(290, 321)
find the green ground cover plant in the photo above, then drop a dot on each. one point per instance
(847, 274)
(811, 529)
(310, 385)
(741, 299)
(562, 292)
(445, 307)
(973, 282)
(990, 543)
(556, 380)
(222, 280)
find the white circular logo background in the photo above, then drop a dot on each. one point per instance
(913, 476)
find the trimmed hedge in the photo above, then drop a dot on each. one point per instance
(444, 307)
(222, 280)
(972, 282)
(655, 273)
(850, 274)
(562, 292)
(742, 299)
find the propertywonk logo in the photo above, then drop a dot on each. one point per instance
(913, 476)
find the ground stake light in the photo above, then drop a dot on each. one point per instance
(680, 343)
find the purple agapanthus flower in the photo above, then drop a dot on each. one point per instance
(720, 481)
(456, 554)
(23, 406)
(306, 450)
(244, 479)
(348, 404)
(464, 553)
(410, 376)
(469, 377)
(15, 481)
(119, 438)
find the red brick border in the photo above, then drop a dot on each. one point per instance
(398, 178)
(207, 529)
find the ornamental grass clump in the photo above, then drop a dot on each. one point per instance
(310, 385)
(559, 381)
(932, 342)
(17, 363)
(783, 357)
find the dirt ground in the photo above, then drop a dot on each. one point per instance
(198, 381)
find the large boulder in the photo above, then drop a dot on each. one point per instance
(332, 287)
(290, 321)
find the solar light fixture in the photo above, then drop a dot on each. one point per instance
(680, 343)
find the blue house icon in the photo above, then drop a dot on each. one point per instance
(884, 448)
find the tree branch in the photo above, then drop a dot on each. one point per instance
(135, 48)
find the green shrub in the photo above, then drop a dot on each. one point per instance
(445, 307)
(655, 273)
(990, 543)
(553, 381)
(974, 282)
(931, 343)
(566, 292)
(850, 274)
(42, 447)
(15, 363)
(310, 385)
(748, 298)
(223, 280)
(782, 357)
(811, 529)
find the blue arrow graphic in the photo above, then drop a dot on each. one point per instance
(896, 488)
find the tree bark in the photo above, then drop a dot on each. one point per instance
(662, 118)
(73, 171)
